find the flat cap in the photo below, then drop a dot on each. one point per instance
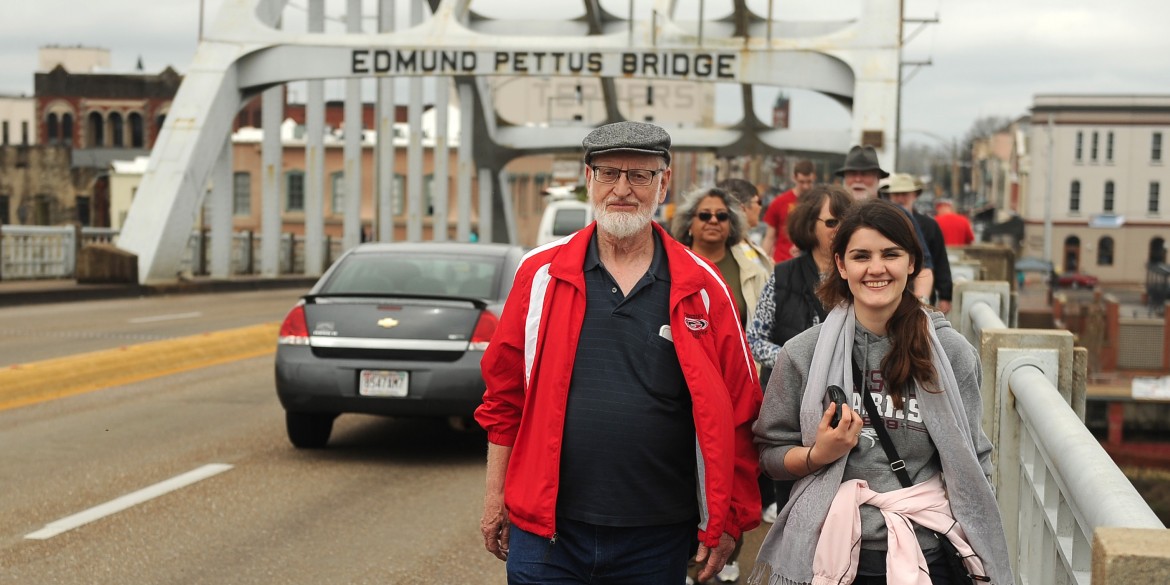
(638, 137)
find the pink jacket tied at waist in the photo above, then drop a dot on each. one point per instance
(924, 504)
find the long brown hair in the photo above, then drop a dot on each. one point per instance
(909, 355)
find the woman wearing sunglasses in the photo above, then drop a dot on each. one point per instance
(788, 304)
(711, 223)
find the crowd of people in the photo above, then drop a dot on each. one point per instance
(653, 395)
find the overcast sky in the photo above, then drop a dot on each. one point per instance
(989, 56)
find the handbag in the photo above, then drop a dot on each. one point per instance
(958, 573)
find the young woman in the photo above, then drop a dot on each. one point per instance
(849, 519)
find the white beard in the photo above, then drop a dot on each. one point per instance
(622, 225)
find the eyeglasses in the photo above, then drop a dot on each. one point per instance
(636, 177)
(830, 223)
(705, 216)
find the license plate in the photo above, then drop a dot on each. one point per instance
(383, 383)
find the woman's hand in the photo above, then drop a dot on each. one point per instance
(832, 443)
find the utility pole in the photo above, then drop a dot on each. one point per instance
(200, 20)
(955, 170)
(903, 40)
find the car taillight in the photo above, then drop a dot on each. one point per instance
(484, 329)
(294, 330)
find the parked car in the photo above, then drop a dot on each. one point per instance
(1076, 280)
(392, 329)
(562, 218)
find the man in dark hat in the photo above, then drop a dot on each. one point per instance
(862, 174)
(620, 394)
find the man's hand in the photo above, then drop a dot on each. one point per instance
(714, 559)
(495, 526)
(944, 306)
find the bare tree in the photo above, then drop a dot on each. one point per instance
(983, 127)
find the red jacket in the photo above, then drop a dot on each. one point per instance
(529, 363)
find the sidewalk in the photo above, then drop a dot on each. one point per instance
(31, 292)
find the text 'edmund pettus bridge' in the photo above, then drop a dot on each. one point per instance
(667, 64)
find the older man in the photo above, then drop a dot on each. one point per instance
(861, 175)
(620, 394)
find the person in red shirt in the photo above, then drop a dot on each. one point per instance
(956, 228)
(804, 175)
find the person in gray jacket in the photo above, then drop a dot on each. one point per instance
(924, 378)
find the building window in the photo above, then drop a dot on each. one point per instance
(51, 128)
(67, 130)
(4, 219)
(242, 193)
(1074, 197)
(337, 203)
(1080, 145)
(1105, 251)
(429, 194)
(83, 210)
(1093, 149)
(137, 130)
(4, 131)
(1109, 147)
(97, 127)
(294, 189)
(1108, 196)
(1156, 147)
(1155, 193)
(116, 130)
(399, 195)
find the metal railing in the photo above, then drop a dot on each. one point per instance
(33, 252)
(48, 252)
(1054, 482)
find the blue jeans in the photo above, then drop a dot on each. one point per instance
(588, 553)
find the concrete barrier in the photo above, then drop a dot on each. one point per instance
(106, 263)
(24, 384)
(1130, 555)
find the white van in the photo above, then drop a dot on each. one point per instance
(561, 218)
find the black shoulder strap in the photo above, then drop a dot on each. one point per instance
(879, 426)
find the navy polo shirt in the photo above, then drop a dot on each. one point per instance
(628, 452)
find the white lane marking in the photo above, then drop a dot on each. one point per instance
(172, 317)
(127, 501)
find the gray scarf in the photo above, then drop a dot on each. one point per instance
(786, 554)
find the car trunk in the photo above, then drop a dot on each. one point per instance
(415, 329)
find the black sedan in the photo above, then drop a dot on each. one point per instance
(392, 329)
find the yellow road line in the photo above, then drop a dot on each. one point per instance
(25, 384)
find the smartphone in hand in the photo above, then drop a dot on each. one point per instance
(836, 394)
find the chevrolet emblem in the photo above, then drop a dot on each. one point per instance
(387, 322)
